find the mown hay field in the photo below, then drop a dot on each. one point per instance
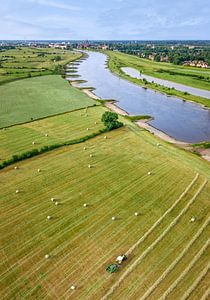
(82, 241)
(48, 131)
(38, 97)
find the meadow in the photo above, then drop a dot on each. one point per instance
(23, 62)
(34, 98)
(82, 241)
(18, 139)
(198, 78)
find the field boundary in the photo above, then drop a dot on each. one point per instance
(151, 247)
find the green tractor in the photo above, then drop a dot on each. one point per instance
(112, 268)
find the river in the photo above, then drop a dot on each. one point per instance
(182, 120)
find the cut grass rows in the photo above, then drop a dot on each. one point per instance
(178, 258)
(196, 282)
(189, 267)
(152, 246)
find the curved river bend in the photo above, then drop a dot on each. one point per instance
(184, 121)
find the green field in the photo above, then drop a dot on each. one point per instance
(82, 241)
(29, 62)
(37, 98)
(116, 174)
(198, 78)
(69, 126)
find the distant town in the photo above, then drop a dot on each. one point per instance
(186, 53)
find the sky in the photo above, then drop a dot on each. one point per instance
(104, 19)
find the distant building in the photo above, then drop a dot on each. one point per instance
(57, 46)
(196, 63)
(164, 58)
(152, 56)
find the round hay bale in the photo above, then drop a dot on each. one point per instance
(113, 218)
(91, 155)
(85, 205)
(47, 256)
(87, 128)
(16, 168)
(73, 287)
(56, 203)
(105, 137)
(52, 199)
(46, 134)
(158, 144)
(84, 148)
(89, 166)
(96, 123)
(192, 219)
(49, 217)
(17, 191)
(136, 214)
(149, 173)
(39, 170)
(33, 143)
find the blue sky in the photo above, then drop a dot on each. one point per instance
(106, 19)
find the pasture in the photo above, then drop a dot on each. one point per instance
(167, 252)
(23, 62)
(56, 129)
(34, 98)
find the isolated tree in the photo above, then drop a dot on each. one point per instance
(110, 120)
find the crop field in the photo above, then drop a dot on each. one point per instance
(34, 98)
(28, 62)
(68, 126)
(167, 252)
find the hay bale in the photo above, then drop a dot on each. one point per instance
(33, 143)
(85, 205)
(87, 128)
(47, 256)
(91, 155)
(56, 203)
(49, 217)
(84, 148)
(17, 191)
(52, 199)
(105, 137)
(89, 166)
(136, 214)
(16, 168)
(39, 170)
(73, 287)
(46, 134)
(192, 219)
(158, 144)
(113, 218)
(96, 123)
(149, 173)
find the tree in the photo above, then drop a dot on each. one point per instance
(110, 120)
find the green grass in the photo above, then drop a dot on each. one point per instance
(118, 60)
(68, 126)
(83, 241)
(25, 62)
(38, 98)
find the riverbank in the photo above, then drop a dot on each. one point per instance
(116, 61)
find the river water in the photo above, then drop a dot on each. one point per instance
(184, 121)
(180, 87)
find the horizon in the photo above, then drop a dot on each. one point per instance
(110, 20)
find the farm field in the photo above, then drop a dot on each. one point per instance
(167, 253)
(25, 62)
(38, 97)
(60, 128)
(188, 76)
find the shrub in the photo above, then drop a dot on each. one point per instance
(110, 120)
